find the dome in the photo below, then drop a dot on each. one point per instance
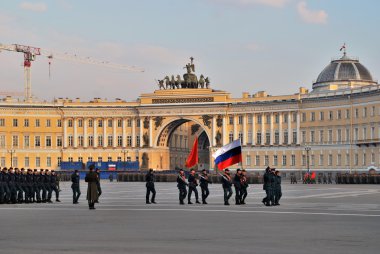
(343, 73)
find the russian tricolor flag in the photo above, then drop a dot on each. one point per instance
(228, 155)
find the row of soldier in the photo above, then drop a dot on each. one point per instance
(28, 186)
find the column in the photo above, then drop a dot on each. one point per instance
(150, 132)
(281, 135)
(263, 134)
(141, 132)
(105, 139)
(225, 134)
(298, 128)
(75, 120)
(95, 136)
(64, 132)
(245, 130)
(85, 138)
(124, 132)
(235, 127)
(271, 129)
(114, 141)
(290, 131)
(213, 141)
(253, 129)
(133, 132)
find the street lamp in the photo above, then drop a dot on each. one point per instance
(11, 151)
(124, 151)
(307, 149)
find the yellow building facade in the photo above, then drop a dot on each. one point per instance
(336, 126)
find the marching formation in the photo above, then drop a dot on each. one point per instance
(28, 186)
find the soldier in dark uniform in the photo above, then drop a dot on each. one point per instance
(49, 190)
(266, 186)
(1, 187)
(43, 186)
(92, 189)
(324, 179)
(272, 186)
(7, 192)
(278, 191)
(227, 184)
(97, 171)
(29, 186)
(204, 181)
(75, 178)
(53, 186)
(244, 186)
(237, 186)
(181, 184)
(19, 189)
(37, 185)
(22, 179)
(149, 179)
(12, 186)
(192, 180)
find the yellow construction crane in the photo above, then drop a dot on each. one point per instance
(30, 54)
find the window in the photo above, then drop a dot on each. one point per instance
(285, 118)
(250, 137)
(15, 141)
(286, 137)
(100, 140)
(90, 141)
(70, 159)
(331, 115)
(267, 138)
(339, 159)
(26, 161)
(48, 141)
(339, 135)
(137, 140)
(80, 123)
(356, 113)
(373, 159)
(231, 137)
(373, 109)
(259, 118)
(339, 114)
(347, 135)
(110, 141)
(347, 114)
(48, 123)
(365, 112)
(37, 141)
(2, 161)
(277, 118)
(312, 160)
(231, 120)
(321, 116)
(294, 136)
(38, 162)
(356, 159)
(284, 160)
(364, 133)
(241, 137)
(48, 161)
(119, 123)
(15, 162)
(15, 123)
(70, 123)
(372, 132)
(303, 137)
(2, 141)
(268, 119)
(266, 160)
(109, 122)
(329, 162)
(321, 162)
(26, 122)
(80, 159)
(364, 159)
(59, 160)
(89, 159)
(356, 134)
(59, 123)
(347, 159)
(275, 160)
(109, 159)
(100, 159)
(312, 136)
(294, 117)
(26, 141)
(258, 138)
(293, 159)
(118, 159)
(129, 159)
(119, 140)
(129, 122)
(59, 141)
(257, 160)
(137, 122)
(248, 160)
(312, 118)
(240, 120)
(2, 122)
(303, 160)
(249, 119)
(129, 140)
(330, 136)
(90, 123)
(37, 122)
(100, 123)
(71, 141)
(276, 137)
(80, 140)
(321, 136)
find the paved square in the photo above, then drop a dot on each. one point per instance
(311, 219)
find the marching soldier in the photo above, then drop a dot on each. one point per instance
(237, 186)
(7, 193)
(92, 189)
(192, 187)
(12, 186)
(49, 190)
(20, 194)
(37, 185)
(75, 178)
(324, 179)
(244, 186)
(53, 186)
(149, 179)
(266, 186)
(204, 181)
(2, 194)
(227, 184)
(181, 184)
(272, 186)
(97, 171)
(278, 192)
(43, 186)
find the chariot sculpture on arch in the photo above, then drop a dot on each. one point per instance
(190, 79)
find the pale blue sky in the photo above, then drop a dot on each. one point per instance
(242, 45)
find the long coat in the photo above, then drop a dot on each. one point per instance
(92, 189)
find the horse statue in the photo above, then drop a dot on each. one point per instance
(167, 82)
(172, 82)
(161, 84)
(191, 80)
(201, 81)
(179, 82)
(207, 80)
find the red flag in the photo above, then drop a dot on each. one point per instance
(313, 175)
(193, 156)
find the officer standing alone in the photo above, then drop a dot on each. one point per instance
(149, 179)
(75, 178)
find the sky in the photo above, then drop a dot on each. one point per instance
(241, 45)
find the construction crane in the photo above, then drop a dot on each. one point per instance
(30, 54)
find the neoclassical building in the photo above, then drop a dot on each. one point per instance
(336, 126)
